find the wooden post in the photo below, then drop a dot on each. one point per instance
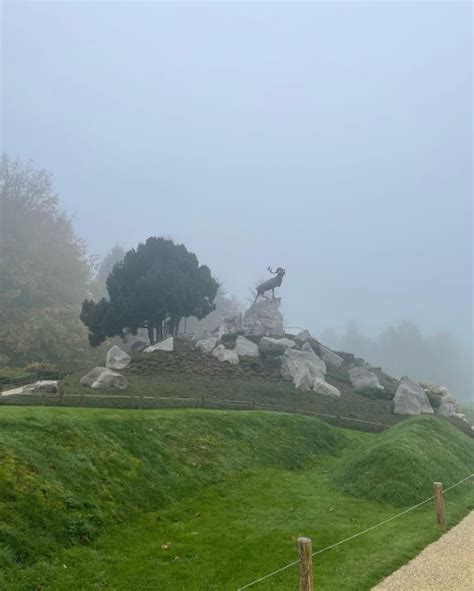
(141, 401)
(82, 400)
(439, 503)
(202, 402)
(306, 564)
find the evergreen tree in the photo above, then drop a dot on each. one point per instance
(154, 287)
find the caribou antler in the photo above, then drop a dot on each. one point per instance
(270, 269)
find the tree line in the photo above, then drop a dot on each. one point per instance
(57, 305)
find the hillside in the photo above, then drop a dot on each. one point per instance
(94, 498)
(187, 377)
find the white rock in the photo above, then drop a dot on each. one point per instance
(411, 399)
(303, 380)
(271, 345)
(322, 387)
(293, 360)
(330, 357)
(245, 347)
(103, 377)
(264, 318)
(206, 345)
(459, 415)
(46, 386)
(435, 389)
(448, 407)
(223, 354)
(166, 345)
(117, 359)
(362, 378)
(303, 337)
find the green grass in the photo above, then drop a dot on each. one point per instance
(88, 497)
(400, 466)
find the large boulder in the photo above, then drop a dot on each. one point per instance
(223, 354)
(303, 379)
(264, 318)
(117, 359)
(320, 386)
(206, 345)
(103, 377)
(429, 388)
(272, 345)
(330, 357)
(448, 407)
(42, 387)
(293, 360)
(166, 345)
(363, 379)
(411, 399)
(245, 347)
(303, 337)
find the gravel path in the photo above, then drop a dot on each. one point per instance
(447, 564)
(13, 391)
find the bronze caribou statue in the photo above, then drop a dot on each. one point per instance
(271, 283)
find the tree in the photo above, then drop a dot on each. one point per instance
(99, 286)
(154, 287)
(226, 307)
(44, 270)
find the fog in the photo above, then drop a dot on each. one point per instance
(330, 139)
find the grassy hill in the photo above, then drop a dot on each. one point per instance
(102, 499)
(187, 377)
(399, 466)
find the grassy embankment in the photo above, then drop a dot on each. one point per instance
(108, 499)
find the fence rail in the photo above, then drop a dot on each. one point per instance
(305, 553)
(143, 401)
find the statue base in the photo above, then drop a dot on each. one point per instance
(264, 318)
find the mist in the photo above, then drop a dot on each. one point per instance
(329, 139)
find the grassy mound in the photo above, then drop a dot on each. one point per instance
(400, 465)
(65, 474)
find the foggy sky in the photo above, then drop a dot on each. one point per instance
(330, 139)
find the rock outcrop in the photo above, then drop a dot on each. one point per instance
(42, 386)
(103, 377)
(117, 359)
(448, 407)
(293, 361)
(364, 379)
(245, 347)
(303, 379)
(223, 354)
(329, 357)
(166, 345)
(272, 345)
(264, 318)
(411, 399)
(322, 387)
(207, 345)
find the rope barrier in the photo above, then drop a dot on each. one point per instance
(353, 536)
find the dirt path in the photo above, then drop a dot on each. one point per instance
(13, 391)
(447, 564)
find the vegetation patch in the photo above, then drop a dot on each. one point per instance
(400, 466)
(66, 474)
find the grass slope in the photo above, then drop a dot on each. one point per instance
(198, 500)
(66, 474)
(183, 378)
(402, 463)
